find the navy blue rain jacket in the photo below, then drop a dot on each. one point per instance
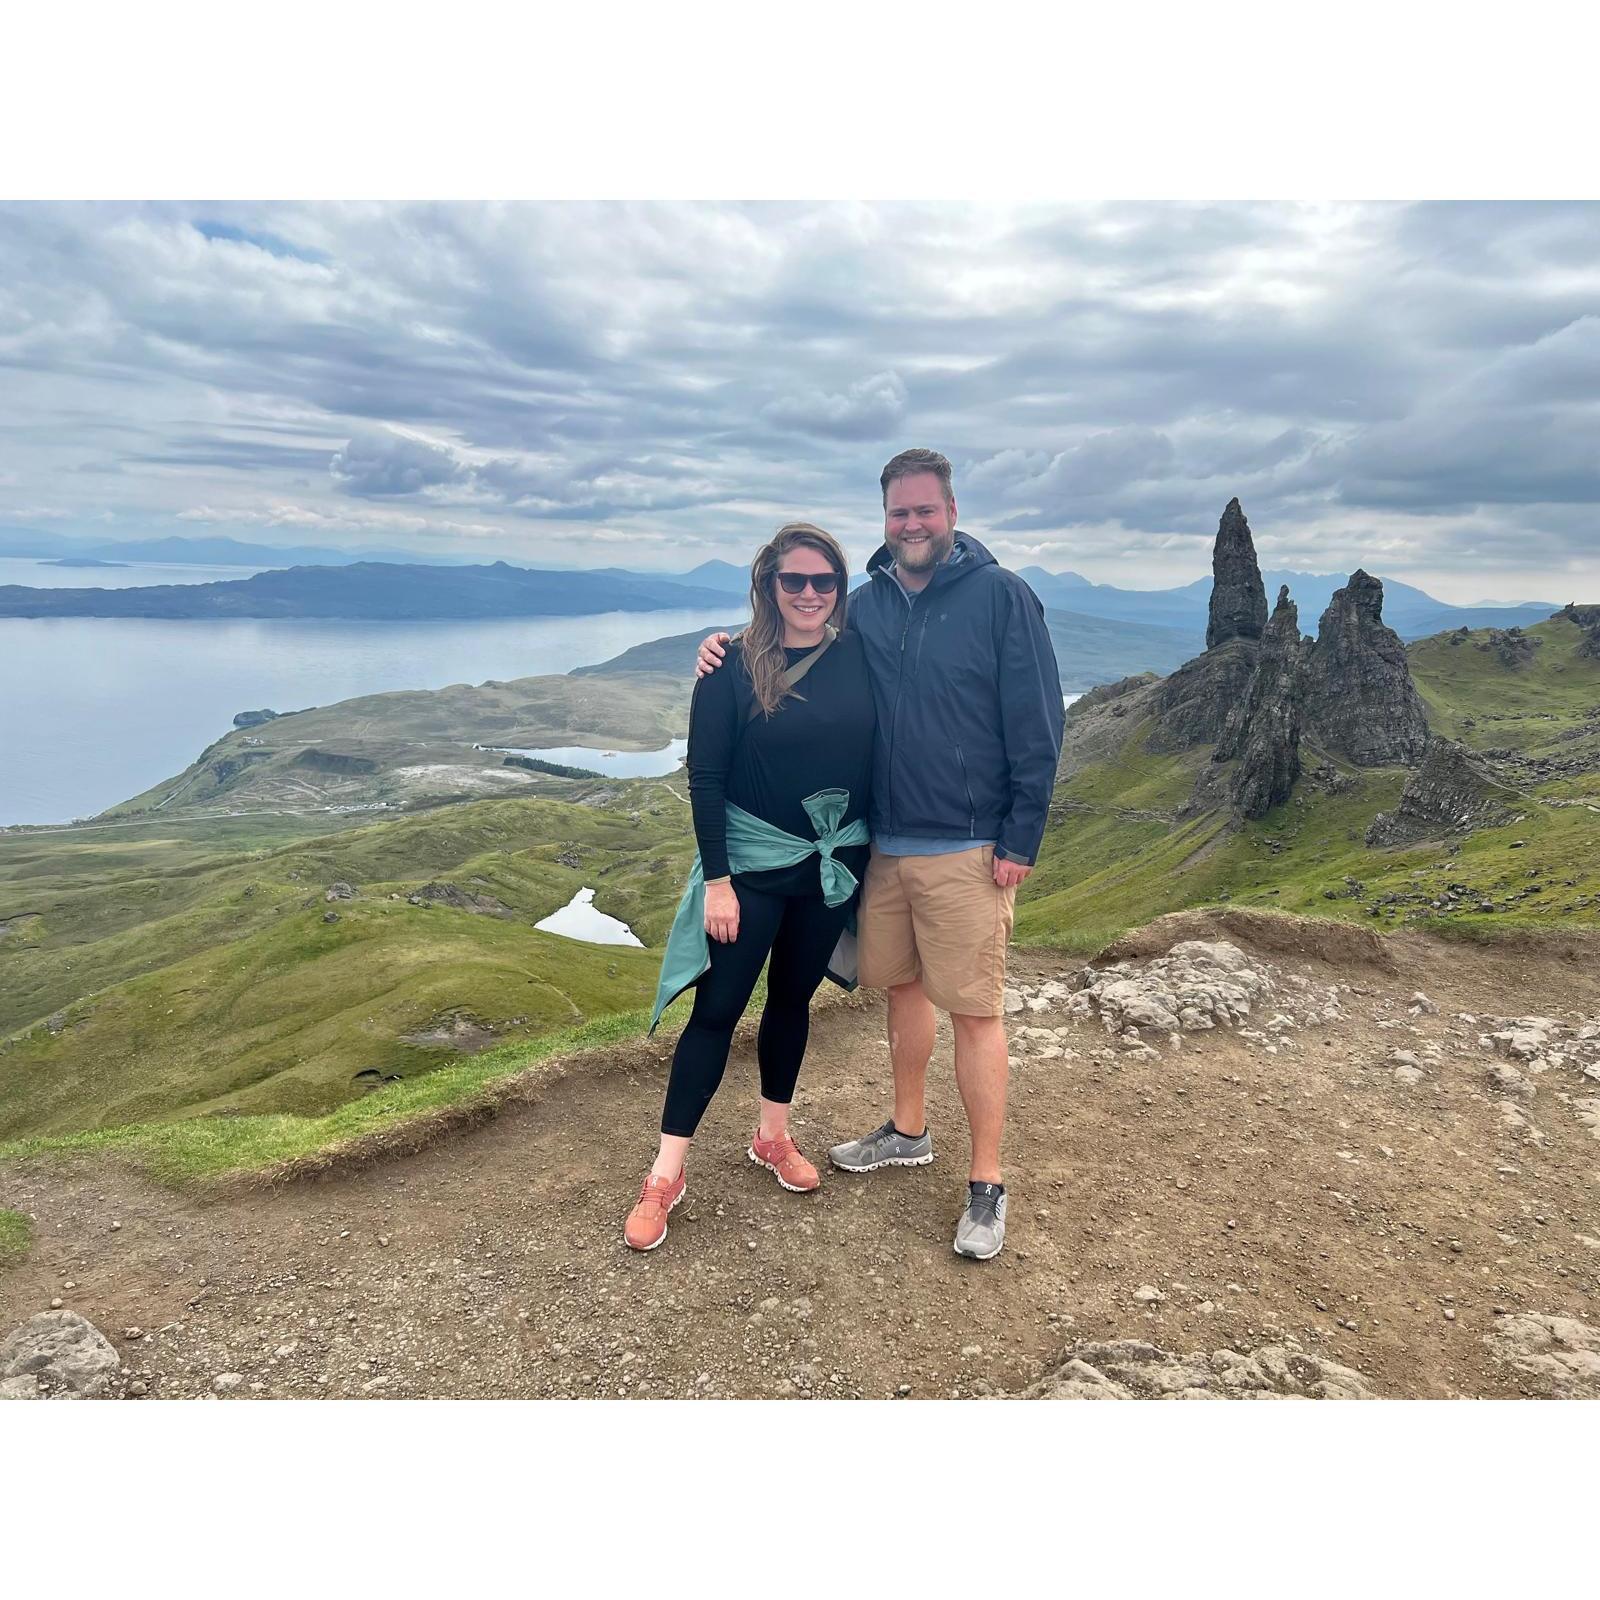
(969, 703)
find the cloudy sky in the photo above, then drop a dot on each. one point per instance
(1411, 388)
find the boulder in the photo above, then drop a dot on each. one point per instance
(1129, 1369)
(1560, 1353)
(57, 1355)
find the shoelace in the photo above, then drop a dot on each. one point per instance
(658, 1194)
(983, 1207)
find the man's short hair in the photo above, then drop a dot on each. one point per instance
(909, 463)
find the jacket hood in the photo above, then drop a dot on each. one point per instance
(977, 556)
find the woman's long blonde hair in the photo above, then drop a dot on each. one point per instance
(762, 640)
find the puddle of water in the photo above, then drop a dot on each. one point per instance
(578, 919)
(613, 763)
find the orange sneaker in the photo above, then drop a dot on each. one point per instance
(780, 1156)
(646, 1226)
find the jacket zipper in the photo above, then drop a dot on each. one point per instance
(972, 807)
(899, 686)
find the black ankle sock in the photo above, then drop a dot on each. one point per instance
(904, 1135)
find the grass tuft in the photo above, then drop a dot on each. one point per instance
(16, 1237)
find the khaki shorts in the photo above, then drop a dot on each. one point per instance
(942, 919)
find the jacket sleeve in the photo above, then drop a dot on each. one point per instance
(1032, 720)
(713, 737)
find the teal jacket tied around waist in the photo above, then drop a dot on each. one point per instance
(757, 846)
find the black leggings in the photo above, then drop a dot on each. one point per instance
(801, 932)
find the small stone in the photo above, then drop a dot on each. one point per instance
(1148, 1295)
(116, 1227)
(224, 1382)
(1449, 1314)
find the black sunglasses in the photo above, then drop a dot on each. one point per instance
(821, 582)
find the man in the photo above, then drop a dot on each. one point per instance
(969, 732)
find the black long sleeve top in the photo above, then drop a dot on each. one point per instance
(819, 738)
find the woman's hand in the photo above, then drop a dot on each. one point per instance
(722, 912)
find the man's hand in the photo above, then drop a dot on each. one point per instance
(711, 653)
(722, 912)
(1008, 874)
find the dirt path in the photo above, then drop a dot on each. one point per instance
(1305, 1196)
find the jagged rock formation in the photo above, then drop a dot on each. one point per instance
(1449, 793)
(1360, 701)
(254, 719)
(1238, 597)
(1512, 647)
(1262, 731)
(1587, 618)
(1259, 687)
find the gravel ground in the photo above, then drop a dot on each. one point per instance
(1360, 1182)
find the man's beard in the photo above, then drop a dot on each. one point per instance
(924, 557)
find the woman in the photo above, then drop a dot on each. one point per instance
(780, 754)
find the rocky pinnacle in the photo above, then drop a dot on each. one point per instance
(1263, 729)
(1360, 700)
(1238, 597)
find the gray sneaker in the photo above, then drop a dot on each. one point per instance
(883, 1148)
(981, 1232)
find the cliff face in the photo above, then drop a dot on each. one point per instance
(1262, 731)
(1360, 700)
(1238, 599)
(1192, 704)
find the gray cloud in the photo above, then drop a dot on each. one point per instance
(1401, 384)
(871, 409)
(384, 463)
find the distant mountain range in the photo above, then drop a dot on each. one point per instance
(308, 582)
(1411, 612)
(372, 591)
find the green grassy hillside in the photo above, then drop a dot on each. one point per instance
(417, 747)
(217, 986)
(1117, 852)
